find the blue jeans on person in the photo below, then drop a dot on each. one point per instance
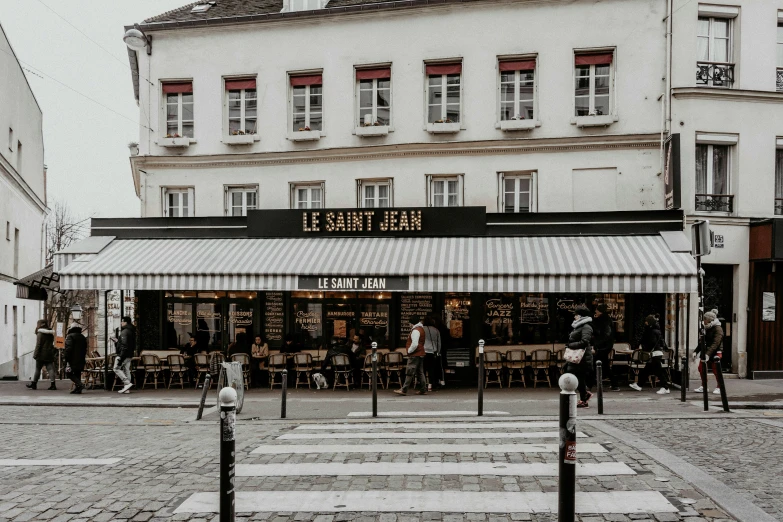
(122, 370)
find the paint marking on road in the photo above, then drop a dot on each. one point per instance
(362, 426)
(333, 469)
(613, 502)
(430, 413)
(425, 435)
(282, 449)
(58, 462)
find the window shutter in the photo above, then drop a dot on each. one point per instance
(450, 68)
(517, 65)
(177, 88)
(238, 85)
(594, 59)
(299, 81)
(373, 74)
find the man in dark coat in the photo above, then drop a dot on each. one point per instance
(125, 348)
(75, 355)
(603, 342)
(652, 343)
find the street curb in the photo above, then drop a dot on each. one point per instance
(104, 404)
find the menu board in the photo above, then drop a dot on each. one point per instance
(274, 318)
(456, 314)
(413, 304)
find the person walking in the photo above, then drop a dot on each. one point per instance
(711, 345)
(125, 347)
(603, 343)
(432, 350)
(415, 367)
(581, 338)
(43, 354)
(75, 355)
(652, 343)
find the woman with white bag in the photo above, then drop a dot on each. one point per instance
(579, 352)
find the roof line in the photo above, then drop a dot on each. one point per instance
(30, 87)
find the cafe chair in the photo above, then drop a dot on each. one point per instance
(303, 367)
(244, 360)
(96, 370)
(176, 369)
(493, 364)
(394, 364)
(516, 362)
(639, 360)
(540, 360)
(201, 365)
(216, 360)
(666, 364)
(151, 365)
(277, 363)
(367, 372)
(342, 371)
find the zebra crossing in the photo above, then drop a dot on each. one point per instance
(396, 468)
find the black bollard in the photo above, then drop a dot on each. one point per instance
(204, 391)
(284, 388)
(599, 377)
(721, 383)
(374, 379)
(481, 379)
(684, 378)
(566, 490)
(228, 421)
(704, 388)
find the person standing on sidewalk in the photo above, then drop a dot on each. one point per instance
(603, 342)
(432, 348)
(581, 338)
(75, 356)
(652, 343)
(711, 345)
(43, 354)
(415, 368)
(125, 348)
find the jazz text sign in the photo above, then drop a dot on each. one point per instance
(354, 283)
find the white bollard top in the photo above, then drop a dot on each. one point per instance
(481, 346)
(228, 396)
(568, 383)
(374, 346)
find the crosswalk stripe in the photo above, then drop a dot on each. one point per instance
(613, 502)
(427, 413)
(58, 462)
(427, 425)
(282, 449)
(328, 469)
(425, 435)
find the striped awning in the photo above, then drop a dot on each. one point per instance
(632, 264)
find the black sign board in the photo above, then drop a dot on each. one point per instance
(413, 304)
(368, 222)
(274, 318)
(354, 283)
(671, 173)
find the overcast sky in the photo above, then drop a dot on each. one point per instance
(86, 144)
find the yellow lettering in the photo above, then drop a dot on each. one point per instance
(415, 220)
(339, 225)
(330, 221)
(404, 221)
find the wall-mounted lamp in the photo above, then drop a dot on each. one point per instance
(137, 40)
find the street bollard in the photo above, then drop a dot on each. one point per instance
(204, 391)
(374, 379)
(566, 490)
(284, 387)
(705, 390)
(684, 378)
(481, 379)
(721, 383)
(228, 421)
(599, 377)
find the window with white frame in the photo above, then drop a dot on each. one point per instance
(374, 94)
(593, 83)
(779, 76)
(444, 92)
(178, 100)
(375, 193)
(178, 202)
(713, 176)
(242, 103)
(241, 199)
(445, 191)
(517, 89)
(714, 51)
(307, 195)
(307, 102)
(517, 192)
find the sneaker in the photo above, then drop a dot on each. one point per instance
(52, 387)
(400, 392)
(663, 391)
(614, 388)
(716, 392)
(635, 386)
(582, 404)
(77, 391)
(126, 388)
(699, 389)
(421, 392)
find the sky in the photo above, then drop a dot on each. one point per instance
(86, 133)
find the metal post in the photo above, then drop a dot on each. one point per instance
(721, 384)
(204, 390)
(228, 421)
(566, 491)
(683, 378)
(284, 386)
(481, 379)
(705, 390)
(599, 377)
(106, 340)
(374, 379)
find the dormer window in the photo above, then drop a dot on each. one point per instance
(303, 5)
(202, 7)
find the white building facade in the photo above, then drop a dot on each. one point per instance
(22, 212)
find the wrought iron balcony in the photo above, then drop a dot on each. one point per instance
(779, 206)
(779, 80)
(715, 74)
(714, 203)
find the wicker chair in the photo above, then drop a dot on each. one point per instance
(367, 372)
(493, 363)
(516, 362)
(540, 360)
(342, 369)
(639, 360)
(201, 365)
(277, 363)
(244, 360)
(303, 366)
(394, 364)
(151, 365)
(177, 369)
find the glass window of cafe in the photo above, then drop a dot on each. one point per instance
(215, 319)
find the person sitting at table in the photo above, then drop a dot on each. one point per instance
(335, 348)
(239, 345)
(259, 350)
(356, 350)
(289, 346)
(189, 350)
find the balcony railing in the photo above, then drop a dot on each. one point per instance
(714, 203)
(779, 79)
(715, 74)
(779, 206)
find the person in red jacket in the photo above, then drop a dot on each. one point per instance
(415, 368)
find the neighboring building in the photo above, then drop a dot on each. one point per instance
(22, 212)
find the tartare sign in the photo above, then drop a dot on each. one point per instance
(354, 283)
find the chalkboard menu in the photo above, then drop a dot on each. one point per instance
(274, 318)
(413, 304)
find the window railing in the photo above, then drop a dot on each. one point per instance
(715, 74)
(714, 202)
(779, 80)
(779, 206)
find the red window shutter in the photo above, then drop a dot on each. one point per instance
(594, 59)
(446, 68)
(176, 88)
(298, 81)
(373, 74)
(238, 85)
(518, 65)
